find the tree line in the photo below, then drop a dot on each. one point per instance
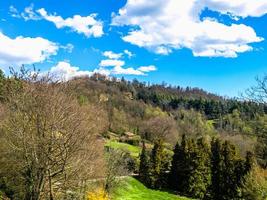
(198, 169)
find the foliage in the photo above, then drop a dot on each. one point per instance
(157, 165)
(47, 138)
(98, 194)
(144, 166)
(228, 170)
(255, 185)
(116, 166)
(190, 172)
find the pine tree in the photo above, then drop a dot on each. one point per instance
(216, 169)
(173, 177)
(182, 166)
(200, 174)
(157, 164)
(230, 173)
(144, 166)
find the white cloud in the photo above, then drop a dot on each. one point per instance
(128, 53)
(14, 12)
(239, 8)
(126, 71)
(63, 71)
(147, 68)
(111, 63)
(103, 71)
(25, 50)
(27, 14)
(112, 55)
(164, 25)
(88, 25)
(114, 65)
(69, 47)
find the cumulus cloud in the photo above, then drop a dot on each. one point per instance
(64, 71)
(89, 25)
(112, 55)
(126, 71)
(165, 25)
(25, 50)
(112, 64)
(239, 8)
(149, 68)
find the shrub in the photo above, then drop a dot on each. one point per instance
(255, 185)
(98, 194)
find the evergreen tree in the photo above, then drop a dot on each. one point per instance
(228, 171)
(144, 165)
(232, 173)
(216, 169)
(182, 166)
(157, 164)
(200, 174)
(173, 177)
(198, 169)
(190, 172)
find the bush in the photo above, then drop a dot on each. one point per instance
(98, 194)
(255, 185)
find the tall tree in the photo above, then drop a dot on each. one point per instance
(182, 165)
(144, 165)
(157, 164)
(200, 175)
(216, 168)
(258, 93)
(228, 170)
(49, 139)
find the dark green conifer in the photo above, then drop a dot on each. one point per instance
(216, 169)
(157, 164)
(144, 165)
(173, 177)
(200, 174)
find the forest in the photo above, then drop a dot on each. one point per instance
(86, 137)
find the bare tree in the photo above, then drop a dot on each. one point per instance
(116, 168)
(49, 136)
(259, 91)
(160, 127)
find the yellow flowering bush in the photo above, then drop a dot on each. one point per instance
(98, 194)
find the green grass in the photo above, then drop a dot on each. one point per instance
(132, 189)
(133, 150)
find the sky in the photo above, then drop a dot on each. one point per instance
(217, 45)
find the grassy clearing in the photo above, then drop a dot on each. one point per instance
(132, 189)
(133, 150)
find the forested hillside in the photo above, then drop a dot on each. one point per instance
(61, 140)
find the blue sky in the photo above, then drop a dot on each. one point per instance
(217, 45)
